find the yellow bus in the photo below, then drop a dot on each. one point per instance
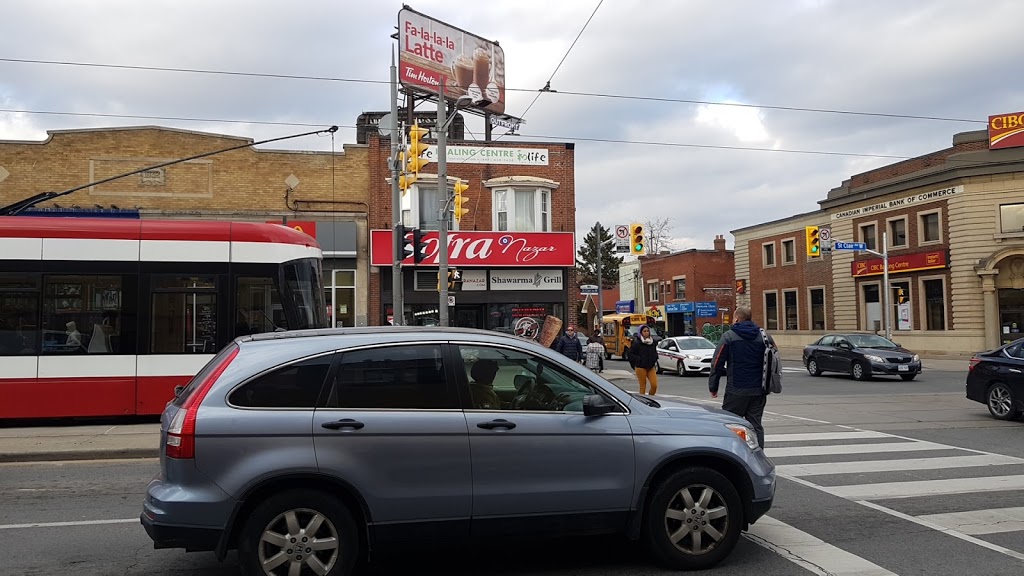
(618, 331)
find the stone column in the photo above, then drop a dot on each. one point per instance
(988, 290)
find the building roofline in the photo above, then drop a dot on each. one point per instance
(779, 221)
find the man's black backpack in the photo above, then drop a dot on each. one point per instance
(772, 378)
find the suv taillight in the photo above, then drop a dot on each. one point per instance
(181, 433)
(974, 362)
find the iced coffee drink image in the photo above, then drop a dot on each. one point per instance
(481, 67)
(463, 70)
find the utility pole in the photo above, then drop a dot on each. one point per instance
(397, 287)
(442, 217)
(600, 291)
(887, 312)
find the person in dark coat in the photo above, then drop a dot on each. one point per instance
(643, 355)
(740, 357)
(569, 345)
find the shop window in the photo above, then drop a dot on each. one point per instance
(771, 311)
(80, 315)
(19, 315)
(898, 233)
(680, 289)
(1011, 218)
(929, 227)
(869, 235)
(788, 251)
(789, 303)
(184, 315)
(340, 290)
(523, 319)
(768, 254)
(817, 308)
(934, 304)
(522, 210)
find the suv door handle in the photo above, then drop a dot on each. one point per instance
(499, 423)
(343, 423)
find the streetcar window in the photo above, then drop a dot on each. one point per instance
(81, 315)
(302, 282)
(259, 306)
(19, 314)
(184, 315)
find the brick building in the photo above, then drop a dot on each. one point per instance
(685, 290)
(953, 222)
(325, 195)
(516, 246)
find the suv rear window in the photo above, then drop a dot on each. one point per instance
(296, 385)
(210, 367)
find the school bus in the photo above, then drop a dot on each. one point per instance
(618, 331)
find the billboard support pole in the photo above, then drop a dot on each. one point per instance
(442, 216)
(397, 296)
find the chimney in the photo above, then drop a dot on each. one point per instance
(720, 243)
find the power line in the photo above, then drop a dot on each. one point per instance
(173, 118)
(507, 89)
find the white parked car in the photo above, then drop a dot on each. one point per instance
(685, 355)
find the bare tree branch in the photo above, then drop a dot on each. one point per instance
(659, 235)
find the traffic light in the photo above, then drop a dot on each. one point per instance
(813, 241)
(413, 246)
(460, 200)
(411, 158)
(637, 239)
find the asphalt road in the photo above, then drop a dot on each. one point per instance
(856, 495)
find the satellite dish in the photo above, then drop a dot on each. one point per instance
(386, 124)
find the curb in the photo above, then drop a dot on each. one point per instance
(70, 455)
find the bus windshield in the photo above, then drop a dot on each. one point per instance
(305, 293)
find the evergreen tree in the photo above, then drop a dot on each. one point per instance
(586, 259)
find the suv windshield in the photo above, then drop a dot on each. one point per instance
(869, 341)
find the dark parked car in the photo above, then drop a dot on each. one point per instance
(860, 356)
(996, 379)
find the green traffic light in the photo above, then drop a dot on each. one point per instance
(814, 248)
(639, 247)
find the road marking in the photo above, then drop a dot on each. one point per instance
(63, 524)
(976, 522)
(852, 449)
(864, 466)
(912, 489)
(814, 436)
(808, 552)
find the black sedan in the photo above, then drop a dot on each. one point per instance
(996, 379)
(860, 356)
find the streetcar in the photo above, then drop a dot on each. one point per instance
(105, 317)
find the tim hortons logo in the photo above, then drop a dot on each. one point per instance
(483, 248)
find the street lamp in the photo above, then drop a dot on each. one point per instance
(442, 184)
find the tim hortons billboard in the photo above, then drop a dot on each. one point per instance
(485, 249)
(431, 52)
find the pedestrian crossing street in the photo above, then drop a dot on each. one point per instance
(972, 495)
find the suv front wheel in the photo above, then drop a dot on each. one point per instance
(694, 519)
(297, 532)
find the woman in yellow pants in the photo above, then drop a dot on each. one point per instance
(644, 354)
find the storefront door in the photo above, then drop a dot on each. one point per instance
(468, 316)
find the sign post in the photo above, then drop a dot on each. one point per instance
(863, 247)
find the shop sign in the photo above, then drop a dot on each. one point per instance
(526, 280)
(654, 312)
(706, 309)
(306, 226)
(898, 203)
(491, 155)
(679, 308)
(1006, 131)
(903, 263)
(485, 249)
(474, 280)
(624, 306)
(741, 286)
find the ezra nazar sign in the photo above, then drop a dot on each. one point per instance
(534, 249)
(899, 203)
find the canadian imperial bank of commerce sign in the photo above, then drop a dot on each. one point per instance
(898, 203)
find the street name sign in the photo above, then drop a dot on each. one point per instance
(849, 245)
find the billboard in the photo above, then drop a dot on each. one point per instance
(431, 52)
(485, 249)
(904, 263)
(1006, 130)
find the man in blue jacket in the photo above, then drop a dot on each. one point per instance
(569, 345)
(740, 358)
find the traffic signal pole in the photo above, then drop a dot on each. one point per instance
(397, 293)
(442, 216)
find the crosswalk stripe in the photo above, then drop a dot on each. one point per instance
(814, 436)
(883, 490)
(852, 449)
(817, 556)
(978, 522)
(865, 466)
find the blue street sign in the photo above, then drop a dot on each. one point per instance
(706, 309)
(850, 245)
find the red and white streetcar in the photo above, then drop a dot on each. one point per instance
(104, 317)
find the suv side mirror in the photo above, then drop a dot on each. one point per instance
(596, 405)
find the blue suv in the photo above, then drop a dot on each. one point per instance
(309, 450)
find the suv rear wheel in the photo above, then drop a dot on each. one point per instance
(297, 532)
(694, 519)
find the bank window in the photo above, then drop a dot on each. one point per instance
(771, 311)
(184, 314)
(653, 290)
(872, 307)
(817, 297)
(898, 233)
(929, 227)
(340, 292)
(19, 314)
(768, 251)
(1011, 218)
(901, 291)
(789, 302)
(788, 251)
(680, 289)
(81, 315)
(869, 235)
(522, 210)
(934, 304)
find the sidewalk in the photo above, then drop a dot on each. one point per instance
(89, 442)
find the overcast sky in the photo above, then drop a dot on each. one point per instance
(950, 59)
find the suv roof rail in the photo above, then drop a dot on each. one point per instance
(315, 332)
